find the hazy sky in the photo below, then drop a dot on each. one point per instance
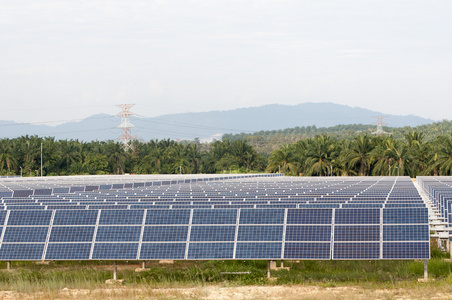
(63, 60)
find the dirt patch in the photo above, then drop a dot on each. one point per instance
(216, 292)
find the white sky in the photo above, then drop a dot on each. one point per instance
(64, 60)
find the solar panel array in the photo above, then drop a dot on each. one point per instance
(212, 217)
(439, 191)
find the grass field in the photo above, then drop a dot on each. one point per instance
(204, 280)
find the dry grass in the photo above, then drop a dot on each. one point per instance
(220, 292)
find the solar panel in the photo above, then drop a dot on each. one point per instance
(244, 217)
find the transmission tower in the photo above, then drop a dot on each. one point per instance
(380, 124)
(125, 125)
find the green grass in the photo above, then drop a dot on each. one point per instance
(27, 276)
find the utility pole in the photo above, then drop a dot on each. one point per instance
(41, 159)
(125, 125)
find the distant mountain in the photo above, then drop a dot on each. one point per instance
(205, 125)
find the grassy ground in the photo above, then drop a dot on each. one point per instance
(27, 278)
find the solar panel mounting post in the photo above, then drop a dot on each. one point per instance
(268, 268)
(425, 269)
(115, 271)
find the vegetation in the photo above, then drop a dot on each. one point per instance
(344, 151)
(28, 277)
(72, 157)
(268, 141)
(365, 155)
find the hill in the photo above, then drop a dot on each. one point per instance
(207, 125)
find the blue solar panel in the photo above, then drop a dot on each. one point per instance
(308, 233)
(43, 192)
(217, 216)
(163, 250)
(406, 233)
(368, 233)
(25, 234)
(115, 251)
(2, 216)
(165, 233)
(260, 233)
(72, 234)
(21, 251)
(212, 233)
(27, 217)
(357, 216)
(258, 250)
(262, 216)
(167, 217)
(356, 251)
(118, 234)
(75, 217)
(309, 216)
(121, 217)
(72, 251)
(22, 193)
(307, 251)
(210, 251)
(405, 216)
(411, 250)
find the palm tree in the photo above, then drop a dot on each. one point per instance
(116, 157)
(283, 158)
(393, 154)
(443, 158)
(359, 154)
(6, 157)
(320, 154)
(71, 152)
(193, 156)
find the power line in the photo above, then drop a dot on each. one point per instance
(55, 121)
(193, 126)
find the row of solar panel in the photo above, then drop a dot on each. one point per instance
(215, 233)
(206, 251)
(200, 206)
(103, 188)
(18, 191)
(218, 216)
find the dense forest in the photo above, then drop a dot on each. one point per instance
(268, 141)
(72, 157)
(409, 153)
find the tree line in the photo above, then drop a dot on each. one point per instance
(268, 141)
(22, 156)
(365, 155)
(322, 155)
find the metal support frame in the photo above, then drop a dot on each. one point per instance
(450, 247)
(115, 270)
(425, 269)
(268, 268)
(8, 265)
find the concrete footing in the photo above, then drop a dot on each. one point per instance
(274, 267)
(166, 261)
(114, 281)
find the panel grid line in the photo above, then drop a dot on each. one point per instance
(94, 235)
(49, 232)
(145, 212)
(188, 233)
